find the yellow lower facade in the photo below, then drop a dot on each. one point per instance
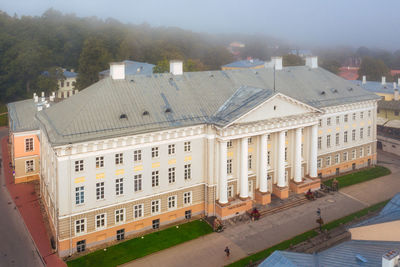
(132, 229)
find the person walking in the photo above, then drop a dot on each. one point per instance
(227, 251)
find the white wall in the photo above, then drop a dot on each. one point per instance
(66, 172)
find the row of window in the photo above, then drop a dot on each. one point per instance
(345, 137)
(137, 184)
(336, 158)
(120, 234)
(67, 84)
(345, 118)
(138, 213)
(137, 156)
(28, 144)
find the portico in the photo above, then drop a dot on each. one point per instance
(269, 156)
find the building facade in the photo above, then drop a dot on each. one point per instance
(140, 152)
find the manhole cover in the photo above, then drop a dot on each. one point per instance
(330, 200)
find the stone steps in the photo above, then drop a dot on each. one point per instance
(283, 207)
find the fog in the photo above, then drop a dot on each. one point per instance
(306, 23)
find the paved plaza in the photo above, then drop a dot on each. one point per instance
(250, 237)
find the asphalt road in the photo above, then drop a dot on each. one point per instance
(16, 245)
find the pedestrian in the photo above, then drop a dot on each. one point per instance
(227, 251)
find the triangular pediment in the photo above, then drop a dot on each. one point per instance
(277, 106)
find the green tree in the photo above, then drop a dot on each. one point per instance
(162, 66)
(331, 65)
(292, 60)
(48, 81)
(93, 59)
(374, 69)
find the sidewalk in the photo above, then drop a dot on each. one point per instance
(247, 238)
(27, 202)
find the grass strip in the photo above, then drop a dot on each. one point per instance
(359, 177)
(140, 247)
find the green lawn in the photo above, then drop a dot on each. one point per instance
(304, 236)
(138, 247)
(359, 177)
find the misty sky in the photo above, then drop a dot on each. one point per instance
(373, 23)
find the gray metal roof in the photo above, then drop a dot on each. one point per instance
(391, 212)
(192, 98)
(21, 115)
(352, 253)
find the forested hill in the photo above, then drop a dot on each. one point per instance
(31, 45)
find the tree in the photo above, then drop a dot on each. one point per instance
(374, 69)
(292, 60)
(162, 66)
(48, 81)
(331, 65)
(93, 59)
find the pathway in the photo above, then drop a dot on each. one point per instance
(27, 202)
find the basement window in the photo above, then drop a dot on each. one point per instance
(145, 113)
(323, 93)
(350, 89)
(123, 116)
(168, 110)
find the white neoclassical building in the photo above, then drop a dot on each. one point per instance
(133, 153)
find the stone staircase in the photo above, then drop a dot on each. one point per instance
(278, 205)
(285, 206)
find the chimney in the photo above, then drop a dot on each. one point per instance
(176, 67)
(51, 98)
(383, 80)
(276, 62)
(394, 85)
(396, 94)
(117, 70)
(36, 98)
(312, 62)
(364, 81)
(390, 258)
(42, 94)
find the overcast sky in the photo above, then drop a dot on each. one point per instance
(373, 23)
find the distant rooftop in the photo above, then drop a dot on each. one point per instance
(248, 63)
(133, 68)
(377, 87)
(66, 73)
(352, 253)
(389, 105)
(391, 212)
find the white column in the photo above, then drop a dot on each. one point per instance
(263, 163)
(244, 168)
(223, 181)
(281, 159)
(297, 157)
(313, 151)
